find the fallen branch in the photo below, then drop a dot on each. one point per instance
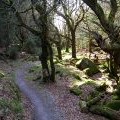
(105, 111)
(95, 100)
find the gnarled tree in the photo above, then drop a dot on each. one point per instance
(107, 23)
(41, 30)
(73, 14)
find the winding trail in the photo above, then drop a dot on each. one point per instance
(44, 108)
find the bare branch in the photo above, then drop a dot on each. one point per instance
(65, 36)
(100, 14)
(113, 11)
(79, 20)
(19, 18)
(34, 18)
(28, 9)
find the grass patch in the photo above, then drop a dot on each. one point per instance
(115, 105)
(16, 106)
(12, 106)
(35, 69)
(90, 83)
(76, 90)
(10, 103)
(2, 74)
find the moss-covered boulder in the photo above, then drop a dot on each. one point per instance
(91, 71)
(75, 90)
(87, 65)
(84, 63)
(115, 105)
(102, 87)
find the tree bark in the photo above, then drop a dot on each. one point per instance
(68, 41)
(112, 31)
(73, 42)
(59, 51)
(44, 60)
(52, 75)
(45, 70)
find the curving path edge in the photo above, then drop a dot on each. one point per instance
(42, 111)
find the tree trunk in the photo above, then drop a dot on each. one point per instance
(68, 42)
(113, 66)
(45, 70)
(46, 46)
(90, 47)
(73, 42)
(67, 45)
(59, 51)
(43, 58)
(52, 75)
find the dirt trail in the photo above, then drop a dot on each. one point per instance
(44, 108)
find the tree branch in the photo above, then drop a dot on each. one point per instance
(113, 11)
(80, 20)
(100, 14)
(35, 32)
(19, 18)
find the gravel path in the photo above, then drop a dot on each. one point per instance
(52, 101)
(44, 108)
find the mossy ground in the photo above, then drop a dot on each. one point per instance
(10, 103)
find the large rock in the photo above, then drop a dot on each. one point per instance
(91, 71)
(87, 65)
(114, 104)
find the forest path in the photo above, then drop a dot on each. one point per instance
(44, 108)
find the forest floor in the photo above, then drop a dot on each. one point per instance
(14, 105)
(52, 101)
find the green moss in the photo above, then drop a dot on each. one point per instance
(76, 76)
(115, 97)
(4, 107)
(1, 74)
(117, 92)
(90, 83)
(104, 66)
(75, 90)
(85, 63)
(91, 71)
(83, 106)
(35, 69)
(32, 58)
(115, 105)
(102, 87)
(88, 66)
(16, 106)
(4, 103)
(93, 95)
